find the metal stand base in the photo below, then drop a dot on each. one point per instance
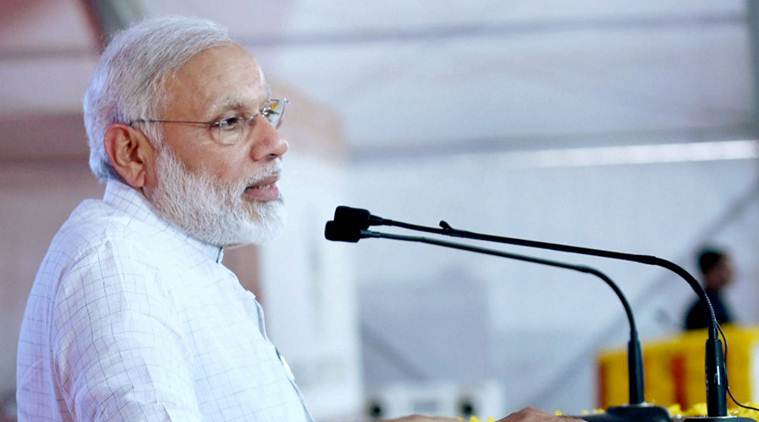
(647, 413)
(638, 413)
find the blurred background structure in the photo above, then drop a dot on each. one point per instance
(616, 124)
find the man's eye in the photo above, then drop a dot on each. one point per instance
(229, 123)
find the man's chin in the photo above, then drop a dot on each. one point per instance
(269, 221)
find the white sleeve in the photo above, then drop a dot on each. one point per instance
(117, 342)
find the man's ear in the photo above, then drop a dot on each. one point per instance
(131, 154)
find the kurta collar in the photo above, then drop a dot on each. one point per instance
(133, 203)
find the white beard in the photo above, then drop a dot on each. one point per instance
(211, 211)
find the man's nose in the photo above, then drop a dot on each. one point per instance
(267, 144)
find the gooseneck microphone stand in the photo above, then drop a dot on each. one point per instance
(637, 409)
(358, 220)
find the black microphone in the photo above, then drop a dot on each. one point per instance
(341, 232)
(716, 375)
(637, 410)
(357, 217)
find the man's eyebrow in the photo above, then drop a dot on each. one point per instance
(228, 102)
(233, 102)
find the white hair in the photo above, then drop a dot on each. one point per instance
(127, 82)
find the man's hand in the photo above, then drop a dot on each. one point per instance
(525, 415)
(534, 415)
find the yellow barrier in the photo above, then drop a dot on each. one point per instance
(674, 369)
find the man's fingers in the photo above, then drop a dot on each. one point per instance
(531, 414)
(421, 418)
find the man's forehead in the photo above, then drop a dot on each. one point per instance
(222, 77)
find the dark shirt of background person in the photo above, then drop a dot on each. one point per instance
(717, 273)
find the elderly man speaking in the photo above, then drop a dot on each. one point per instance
(132, 316)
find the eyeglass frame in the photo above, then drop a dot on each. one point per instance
(216, 124)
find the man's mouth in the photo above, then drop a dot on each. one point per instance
(263, 190)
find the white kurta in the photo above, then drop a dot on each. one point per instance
(129, 319)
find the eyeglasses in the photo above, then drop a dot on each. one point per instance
(235, 128)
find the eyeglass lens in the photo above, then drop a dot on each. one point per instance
(235, 130)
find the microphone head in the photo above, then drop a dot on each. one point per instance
(341, 232)
(353, 217)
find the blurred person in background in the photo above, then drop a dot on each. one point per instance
(717, 273)
(133, 316)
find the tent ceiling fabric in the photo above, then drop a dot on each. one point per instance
(411, 75)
